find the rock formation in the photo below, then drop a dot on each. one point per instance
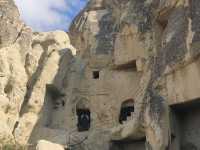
(131, 82)
(29, 62)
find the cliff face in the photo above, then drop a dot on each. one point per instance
(156, 41)
(29, 61)
(133, 84)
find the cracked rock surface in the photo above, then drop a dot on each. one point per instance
(29, 61)
(133, 82)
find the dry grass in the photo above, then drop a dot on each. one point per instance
(12, 147)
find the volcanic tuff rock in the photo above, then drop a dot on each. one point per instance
(29, 61)
(133, 83)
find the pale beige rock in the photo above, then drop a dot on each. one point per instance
(44, 145)
(13, 84)
(52, 48)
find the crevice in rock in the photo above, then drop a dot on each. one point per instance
(19, 34)
(15, 127)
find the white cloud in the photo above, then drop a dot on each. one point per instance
(45, 15)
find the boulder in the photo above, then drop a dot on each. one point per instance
(44, 145)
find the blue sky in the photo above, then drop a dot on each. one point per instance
(48, 15)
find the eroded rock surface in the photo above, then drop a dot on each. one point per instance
(154, 40)
(29, 62)
(133, 83)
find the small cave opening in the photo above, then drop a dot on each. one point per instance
(56, 96)
(185, 125)
(95, 74)
(127, 108)
(163, 24)
(132, 65)
(53, 107)
(54, 91)
(84, 119)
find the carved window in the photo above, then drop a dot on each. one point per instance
(95, 74)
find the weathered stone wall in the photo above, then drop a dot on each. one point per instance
(155, 37)
(143, 50)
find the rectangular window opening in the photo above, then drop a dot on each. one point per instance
(95, 74)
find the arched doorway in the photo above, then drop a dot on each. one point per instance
(83, 115)
(127, 108)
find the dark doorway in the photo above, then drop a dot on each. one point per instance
(127, 109)
(95, 74)
(186, 124)
(83, 119)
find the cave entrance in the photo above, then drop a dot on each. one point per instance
(56, 96)
(83, 119)
(127, 108)
(186, 125)
(54, 105)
